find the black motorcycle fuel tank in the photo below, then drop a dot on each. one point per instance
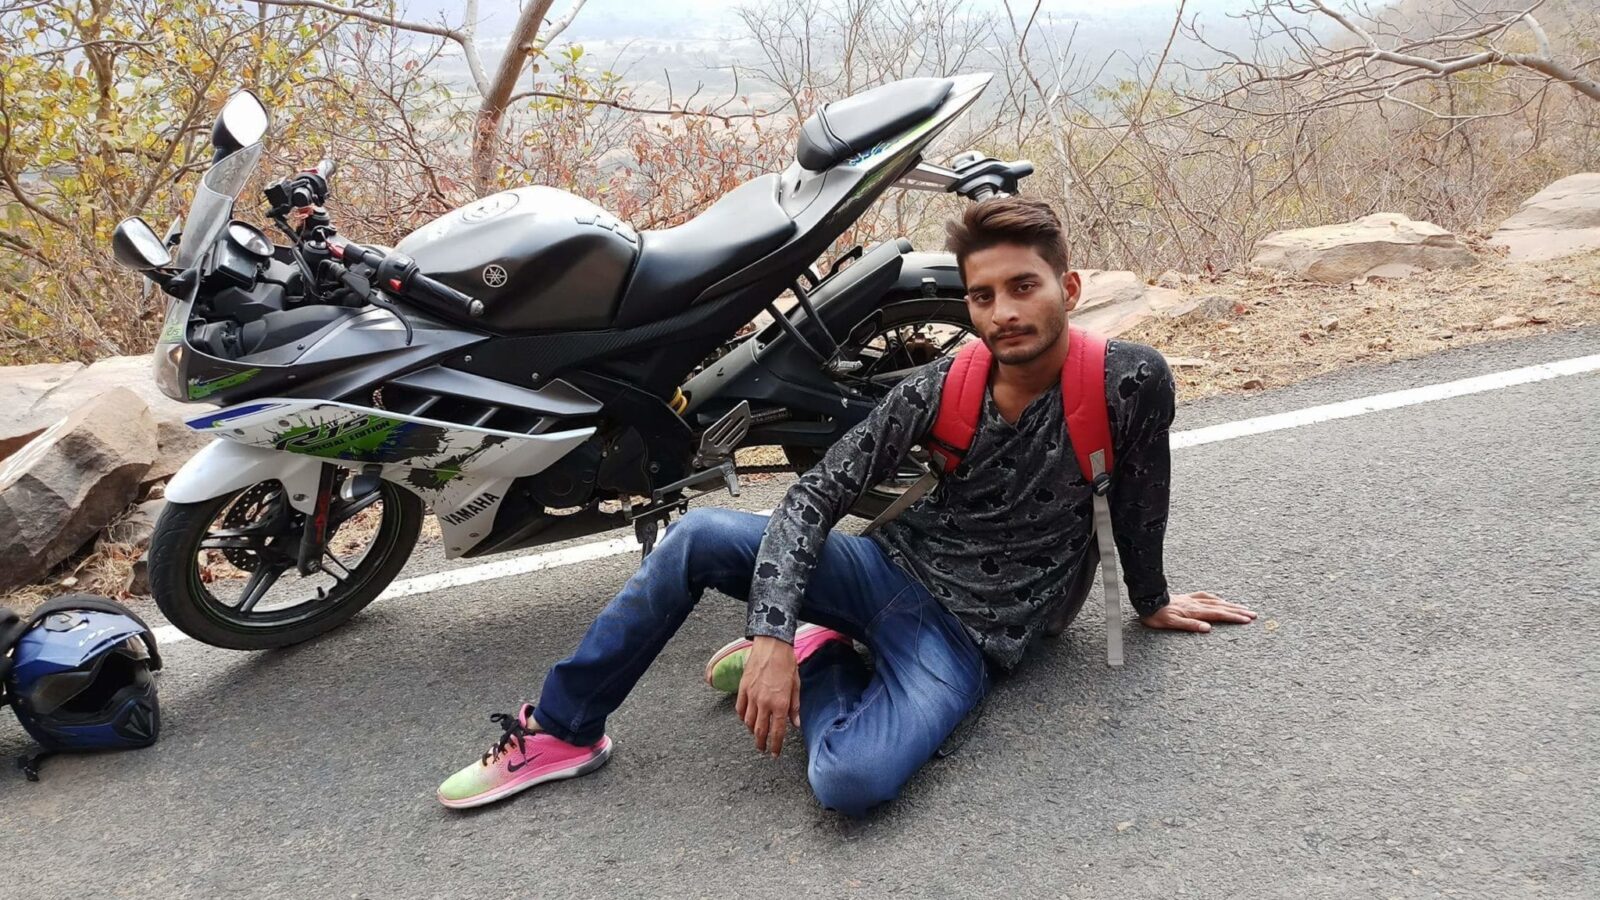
(538, 258)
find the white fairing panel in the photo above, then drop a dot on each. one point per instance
(462, 472)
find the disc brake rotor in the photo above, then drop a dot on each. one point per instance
(251, 508)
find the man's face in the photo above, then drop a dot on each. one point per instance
(1017, 303)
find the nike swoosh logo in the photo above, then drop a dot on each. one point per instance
(515, 767)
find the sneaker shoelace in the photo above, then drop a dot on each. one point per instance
(515, 733)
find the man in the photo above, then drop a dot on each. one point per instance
(962, 580)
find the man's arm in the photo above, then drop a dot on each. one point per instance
(769, 690)
(1142, 399)
(867, 454)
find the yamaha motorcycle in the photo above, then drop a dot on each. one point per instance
(528, 367)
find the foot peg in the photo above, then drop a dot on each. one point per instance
(718, 442)
(712, 461)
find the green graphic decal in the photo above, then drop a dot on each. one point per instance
(199, 390)
(172, 331)
(360, 437)
(901, 151)
(449, 469)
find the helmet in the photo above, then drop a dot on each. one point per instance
(79, 676)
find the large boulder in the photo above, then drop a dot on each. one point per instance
(64, 486)
(1382, 244)
(1114, 301)
(1562, 219)
(175, 441)
(20, 388)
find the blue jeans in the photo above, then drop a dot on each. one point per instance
(865, 733)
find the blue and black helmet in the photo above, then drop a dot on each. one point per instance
(78, 672)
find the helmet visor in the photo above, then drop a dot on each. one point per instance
(52, 693)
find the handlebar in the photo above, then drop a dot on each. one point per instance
(397, 273)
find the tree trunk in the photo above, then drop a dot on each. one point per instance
(486, 129)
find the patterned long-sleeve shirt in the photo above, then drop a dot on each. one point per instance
(1000, 541)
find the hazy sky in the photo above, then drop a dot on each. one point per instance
(694, 40)
(712, 18)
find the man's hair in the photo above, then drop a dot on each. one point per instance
(1008, 220)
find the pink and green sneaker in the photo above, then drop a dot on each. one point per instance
(726, 666)
(521, 759)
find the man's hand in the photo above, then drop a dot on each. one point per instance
(1194, 612)
(769, 693)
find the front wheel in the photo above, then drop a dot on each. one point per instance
(224, 570)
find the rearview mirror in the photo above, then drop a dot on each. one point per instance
(136, 246)
(243, 122)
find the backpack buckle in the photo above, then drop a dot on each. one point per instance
(1101, 484)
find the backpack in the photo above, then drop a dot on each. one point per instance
(1083, 395)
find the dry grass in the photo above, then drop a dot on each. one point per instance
(1278, 332)
(106, 570)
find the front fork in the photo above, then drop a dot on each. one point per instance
(314, 534)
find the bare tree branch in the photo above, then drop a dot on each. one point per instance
(444, 31)
(726, 118)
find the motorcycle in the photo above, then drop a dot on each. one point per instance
(528, 367)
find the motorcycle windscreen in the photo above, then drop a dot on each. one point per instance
(212, 206)
(209, 214)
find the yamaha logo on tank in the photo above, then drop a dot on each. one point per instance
(489, 207)
(494, 275)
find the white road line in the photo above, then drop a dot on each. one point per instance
(537, 562)
(1378, 402)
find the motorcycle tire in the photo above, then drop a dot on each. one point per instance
(945, 310)
(180, 591)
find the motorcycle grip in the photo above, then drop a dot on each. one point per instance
(399, 273)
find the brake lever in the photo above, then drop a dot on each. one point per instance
(363, 288)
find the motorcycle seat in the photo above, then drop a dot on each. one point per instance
(856, 124)
(676, 265)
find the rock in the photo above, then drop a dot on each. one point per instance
(1253, 384)
(1443, 334)
(1187, 362)
(1382, 343)
(1560, 220)
(20, 388)
(1391, 270)
(135, 525)
(1508, 321)
(1209, 308)
(134, 530)
(139, 577)
(1114, 301)
(1174, 280)
(1382, 244)
(1331, 323)
(175, 441)
(67, 484)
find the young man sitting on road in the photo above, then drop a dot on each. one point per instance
(962, 580)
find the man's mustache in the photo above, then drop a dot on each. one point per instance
(1016, 332)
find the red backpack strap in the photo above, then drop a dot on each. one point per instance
(1083, 395)
(960, 405)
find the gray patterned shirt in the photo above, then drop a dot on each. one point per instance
(999, 542)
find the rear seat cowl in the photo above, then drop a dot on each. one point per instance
(857, 123)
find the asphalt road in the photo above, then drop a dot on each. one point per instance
(1414, 715)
